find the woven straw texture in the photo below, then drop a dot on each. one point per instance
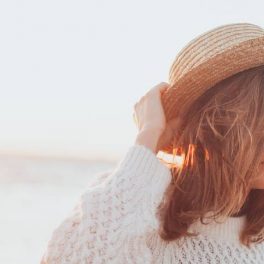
(209, 58)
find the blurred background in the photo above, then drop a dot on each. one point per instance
(70, 74)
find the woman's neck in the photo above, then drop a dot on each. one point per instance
(243, 209)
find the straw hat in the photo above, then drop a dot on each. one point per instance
(209, 58)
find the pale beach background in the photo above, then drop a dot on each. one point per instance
(70, 74)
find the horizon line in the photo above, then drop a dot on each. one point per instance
(61, 157)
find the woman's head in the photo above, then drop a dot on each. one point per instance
(223, 148)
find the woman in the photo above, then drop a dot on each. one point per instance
(209, 209)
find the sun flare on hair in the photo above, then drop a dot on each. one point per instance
(178, 159)
(173, 160)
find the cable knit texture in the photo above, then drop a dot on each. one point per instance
(115, 222)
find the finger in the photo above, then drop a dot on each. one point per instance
(159, 88)
(162, 87)
(135, 118)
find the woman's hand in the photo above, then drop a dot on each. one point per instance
(150, 118)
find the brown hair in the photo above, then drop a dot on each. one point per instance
(222, 142)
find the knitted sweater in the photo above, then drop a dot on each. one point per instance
(114, 222)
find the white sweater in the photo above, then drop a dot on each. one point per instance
(114, 222)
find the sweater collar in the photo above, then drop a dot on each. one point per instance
(226, 228)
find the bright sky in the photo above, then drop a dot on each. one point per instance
(71, 71)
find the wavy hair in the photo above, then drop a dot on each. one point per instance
(222, 143)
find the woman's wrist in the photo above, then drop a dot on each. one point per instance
(149, 138)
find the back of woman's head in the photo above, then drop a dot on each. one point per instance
(222, 144)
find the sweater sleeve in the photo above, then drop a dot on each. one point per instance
(113, 213)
